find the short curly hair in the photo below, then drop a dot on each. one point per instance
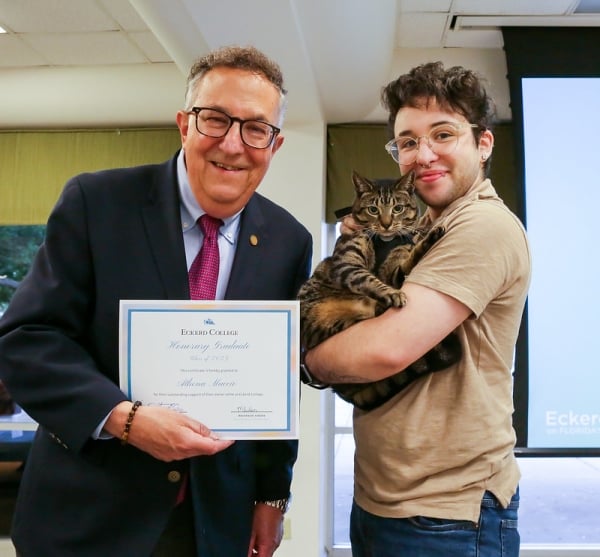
(243, 58)
(455, 89)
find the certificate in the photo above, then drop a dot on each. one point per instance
(231, 365)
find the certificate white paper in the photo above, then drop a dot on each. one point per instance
(231, 365)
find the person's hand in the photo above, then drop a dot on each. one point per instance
(349, 226)
(165, 434)
(267, 531)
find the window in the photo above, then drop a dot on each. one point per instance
(559, 498)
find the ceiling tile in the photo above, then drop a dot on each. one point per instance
(150, 46)
(56, 41)
(54, 16)
(424, 5)
(16, 53)
(420, 30)
(124, 14)
(77, 49)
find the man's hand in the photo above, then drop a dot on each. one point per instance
(165, 434)
(349, 226)
(267, 531)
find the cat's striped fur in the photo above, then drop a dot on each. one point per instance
(363, 276)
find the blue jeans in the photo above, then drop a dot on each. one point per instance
(496, 534)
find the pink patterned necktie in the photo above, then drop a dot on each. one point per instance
(204, 271)
(203, 275)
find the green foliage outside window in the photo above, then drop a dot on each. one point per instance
(18, 245)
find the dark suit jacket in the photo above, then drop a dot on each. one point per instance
(114, 235)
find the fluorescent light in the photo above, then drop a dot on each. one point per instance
(2, 30)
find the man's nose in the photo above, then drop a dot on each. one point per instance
(232, 140)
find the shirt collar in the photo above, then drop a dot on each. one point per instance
(482, 190)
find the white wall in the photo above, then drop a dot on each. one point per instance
(6, 548)
(296, 181)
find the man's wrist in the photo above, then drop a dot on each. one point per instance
(116, 419)
(306, 376)
(281, 504)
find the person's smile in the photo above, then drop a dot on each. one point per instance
(431, 175)
(227, 167)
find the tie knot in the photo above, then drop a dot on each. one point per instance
(209, 225)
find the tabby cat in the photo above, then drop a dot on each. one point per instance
(362, 278)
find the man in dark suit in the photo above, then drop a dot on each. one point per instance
(131, 234)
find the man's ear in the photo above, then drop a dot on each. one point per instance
(277, 142)
(486, 144)
(183, 123)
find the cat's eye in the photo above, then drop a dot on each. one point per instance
(373, 210)
(398, 209)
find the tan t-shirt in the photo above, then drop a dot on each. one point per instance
(438, 445)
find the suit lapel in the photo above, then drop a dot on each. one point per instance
(250, 253)
(162, 220)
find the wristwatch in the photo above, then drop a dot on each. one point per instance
(306, 377)
(282, 504)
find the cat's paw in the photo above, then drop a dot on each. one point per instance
(435, 234)
(395, 299)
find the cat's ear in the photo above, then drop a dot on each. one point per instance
(408, 182)
(361, 184)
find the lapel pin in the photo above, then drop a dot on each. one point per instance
(253, 240)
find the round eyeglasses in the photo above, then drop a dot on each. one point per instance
(216, 123)
(441, 139)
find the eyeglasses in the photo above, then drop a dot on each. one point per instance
(442, 140)
(216, 123)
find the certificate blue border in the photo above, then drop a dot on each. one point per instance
(129, 308)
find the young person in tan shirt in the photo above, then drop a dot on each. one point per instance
(435, 472)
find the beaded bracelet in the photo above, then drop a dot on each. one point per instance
(129, 421)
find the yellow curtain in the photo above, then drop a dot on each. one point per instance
(34, 165)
